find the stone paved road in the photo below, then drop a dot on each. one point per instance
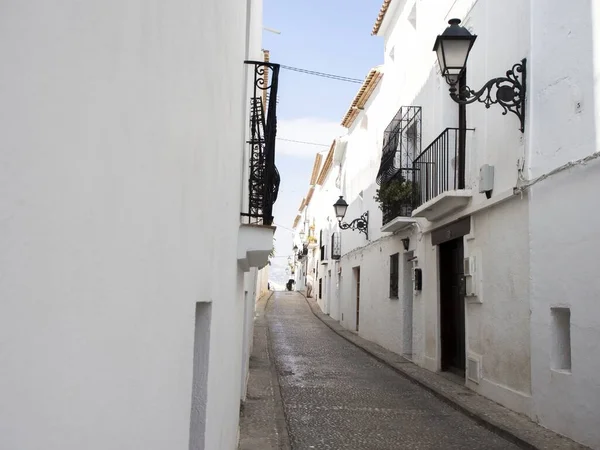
(336, 396)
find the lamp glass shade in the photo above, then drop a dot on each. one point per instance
(452, 48)
(302, 234)
(295, 248)
(340, 208)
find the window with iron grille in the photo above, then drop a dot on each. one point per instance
(320, 287)
(336, 245)
(401, 146)
(394, 274)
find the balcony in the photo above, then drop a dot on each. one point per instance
(402, 143)
(263, 175)
(439, 176)
(255, 239)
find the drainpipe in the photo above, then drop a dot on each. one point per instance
(462, 132)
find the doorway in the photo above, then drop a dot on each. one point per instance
(328, 291)
(407, 296)
(356, 272)
(452, 307)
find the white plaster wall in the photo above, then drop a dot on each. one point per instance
(564, 246)
(381, 317)
(411, 78)
(251, 295)
(563, 220)
(262, 282)
(117, 118)
(497, 322)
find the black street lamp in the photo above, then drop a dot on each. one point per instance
(361, 224)
(453, 47)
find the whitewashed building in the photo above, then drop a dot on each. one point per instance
(128, 274)
(481, 263)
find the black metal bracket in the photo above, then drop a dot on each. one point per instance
(361, 224)
(509, 92)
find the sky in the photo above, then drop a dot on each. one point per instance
(330, 36)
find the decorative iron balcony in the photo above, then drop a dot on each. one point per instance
(401, 145)
(263, 183)
(440, 167)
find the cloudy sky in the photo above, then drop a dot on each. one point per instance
(331, 36)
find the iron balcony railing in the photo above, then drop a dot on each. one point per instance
(440, 167)
(263, 182)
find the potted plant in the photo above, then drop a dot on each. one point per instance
(396, 197)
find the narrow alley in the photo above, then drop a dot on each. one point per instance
(335, 396)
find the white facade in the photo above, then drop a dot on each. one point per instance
(529, 317)
(125, 317)
(563, 226)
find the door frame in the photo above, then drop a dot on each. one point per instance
(356, 296)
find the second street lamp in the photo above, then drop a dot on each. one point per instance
(361, 224)
(453, 47)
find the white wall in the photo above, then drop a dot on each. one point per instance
(563, 220)
(497, 330)
(118, 117)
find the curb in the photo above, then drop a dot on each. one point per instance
(524, 433)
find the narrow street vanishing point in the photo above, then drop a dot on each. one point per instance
(335, 396)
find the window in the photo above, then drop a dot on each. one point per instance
(561, 339)
(320, 287)
(200, 374)
(394, 275)
(401, 144)
(336, 245)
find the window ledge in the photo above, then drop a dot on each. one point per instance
(397, 224)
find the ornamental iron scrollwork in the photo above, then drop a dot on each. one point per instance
(508, 92)
(264, 179)
(361, 224)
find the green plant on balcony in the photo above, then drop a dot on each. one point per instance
(395, 196)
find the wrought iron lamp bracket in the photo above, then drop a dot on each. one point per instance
(508, 92)
(361, 224)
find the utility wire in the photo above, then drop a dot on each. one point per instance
(579, 162)
(285, 228)
(303, 142)
(324, 75)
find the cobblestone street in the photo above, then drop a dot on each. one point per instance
(335, 396)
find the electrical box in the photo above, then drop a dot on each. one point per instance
(486, 178)
(469, 266)
(470, 283)
(418, 279)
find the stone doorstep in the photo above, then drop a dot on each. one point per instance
(512, 426)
